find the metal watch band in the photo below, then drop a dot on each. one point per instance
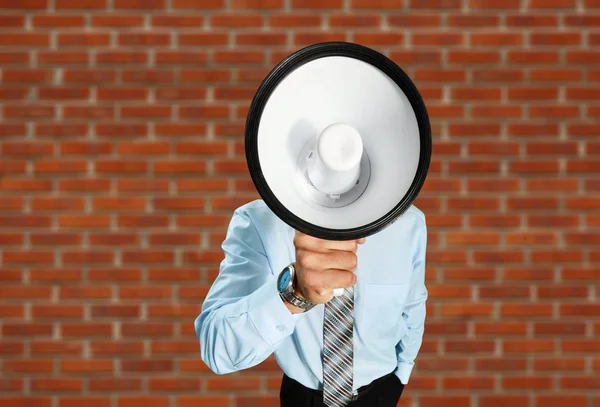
(293, 299)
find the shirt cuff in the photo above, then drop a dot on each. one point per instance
(404, 370)
(267, 311)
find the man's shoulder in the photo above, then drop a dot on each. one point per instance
(418, 214)
(258, 213)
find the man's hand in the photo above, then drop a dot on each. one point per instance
(324, 265)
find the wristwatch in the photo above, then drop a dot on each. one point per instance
(285, 286)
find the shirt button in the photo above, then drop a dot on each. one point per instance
(280, 328)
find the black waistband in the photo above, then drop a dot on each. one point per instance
(361, 391)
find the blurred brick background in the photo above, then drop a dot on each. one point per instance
(121, 138)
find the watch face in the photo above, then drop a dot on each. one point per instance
(284, 279)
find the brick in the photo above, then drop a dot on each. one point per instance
(198, 4)
(116, 20)
(531, 58)
(316, 4)
(84, 292)
(494, 4)
(496, 112)
(173, 274)
(190, 93)
(58, 21)
(151, 293)
(503, 400)
(140, 39)
(81, 221)
(57, 311)
(468, 382)
(579, 382)
(22, 39)
(137, 4)
(142, 185)
(177, 20)
(562, 363)
(54, 275)
(298, 19)
(496, 39)
(34, 366)
(92, 329)
(12, 21)
(221, 401)
(537, 166)
(376, 4)
(120, 130)
(579, 309)
(106, 384)
(508, 148)
(434, 4)
(52, 348)
(120, 57)
(83, 39)
(554, 400)
(469, 346)
(435, 39)
(186, 384)
(580, 20)
(557, 256)
(118, 274)
(56, 384)
(555, 75)
(527, 382)
(553, 39)
(552, 4)
(580, 346)
(465, 310)
(379, 39)
(476, 93)
(528, 346)
(443, 400)
(260, 39)
(202, 39)
(74, 4)
(479, 20)
(140, 256)
(24, 5)
(146, 76)
(498, 75)
(531, 238)
(82, 184)
(342, 20)
(153, 329)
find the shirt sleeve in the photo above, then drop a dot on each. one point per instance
(414, 311)
(243, 319)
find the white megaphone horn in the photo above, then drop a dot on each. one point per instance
(338, 141)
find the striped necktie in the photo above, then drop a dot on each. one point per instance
(338, 350)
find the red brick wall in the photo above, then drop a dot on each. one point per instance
(122, 159)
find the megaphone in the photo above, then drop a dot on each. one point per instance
(338, 141)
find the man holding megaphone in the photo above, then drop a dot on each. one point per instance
(275, 294)
(327, 270)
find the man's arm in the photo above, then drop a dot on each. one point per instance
(414, 311)
(243, 319)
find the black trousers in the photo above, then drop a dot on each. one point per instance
(383, 392)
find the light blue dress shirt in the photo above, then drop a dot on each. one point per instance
(243, 320)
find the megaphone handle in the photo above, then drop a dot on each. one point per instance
(338, 291)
